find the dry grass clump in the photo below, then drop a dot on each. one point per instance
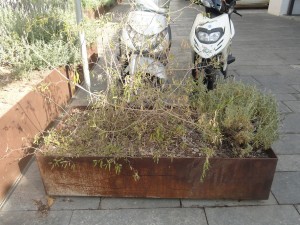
(237, 117)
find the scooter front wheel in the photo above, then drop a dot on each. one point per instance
(209, 73)
(210, 82)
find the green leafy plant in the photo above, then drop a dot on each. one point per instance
(30, 30)
(38, 35)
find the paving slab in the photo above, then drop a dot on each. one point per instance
(24, 200)
(288, 163)
(279, 88)
(285, 97)
(282, 79)
(138, 203)
(35, 218)
(140, 217)
(29, 190)
(283, 108)
(268, 73)
(290, 123)
(251, 55)
(289, 57)
(289, 72)
(287, 144)
(286, 187)
(32, 171)
(296, 87)
(245, 70)
(249, 80)
(260, 215)
(194, 203)
(293, 105)
(72, 203)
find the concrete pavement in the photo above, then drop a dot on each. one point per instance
(267, 51)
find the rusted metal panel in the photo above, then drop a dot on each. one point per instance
(227, 178)
(29, 117)
(19, 125)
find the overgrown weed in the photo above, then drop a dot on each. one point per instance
(234, 120)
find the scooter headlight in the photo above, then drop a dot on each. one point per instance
(134, 36)
(209, 36)
(205, 37)
(158, 39)
(144, 42)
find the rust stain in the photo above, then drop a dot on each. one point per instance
(239, 179)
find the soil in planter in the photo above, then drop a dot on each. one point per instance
(83, 133)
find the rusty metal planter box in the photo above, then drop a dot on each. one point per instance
(227, 178)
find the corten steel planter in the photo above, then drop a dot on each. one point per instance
(227, 178)
(30, 116)
(25, 119)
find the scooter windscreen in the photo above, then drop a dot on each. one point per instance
(216, 4)
(159, 6)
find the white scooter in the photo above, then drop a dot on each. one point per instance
(211, 38)
(145, 40)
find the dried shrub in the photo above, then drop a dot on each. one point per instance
(234, 120)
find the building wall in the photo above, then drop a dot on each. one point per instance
(296, 10)
(278, 7)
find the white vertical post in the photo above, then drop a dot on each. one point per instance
(278, 7)
(84, 56)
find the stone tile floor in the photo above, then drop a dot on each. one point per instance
(267, 50)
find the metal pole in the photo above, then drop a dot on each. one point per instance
(291, 7)
(84, 56)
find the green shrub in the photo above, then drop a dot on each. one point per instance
(38, 34)
(238, 116)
